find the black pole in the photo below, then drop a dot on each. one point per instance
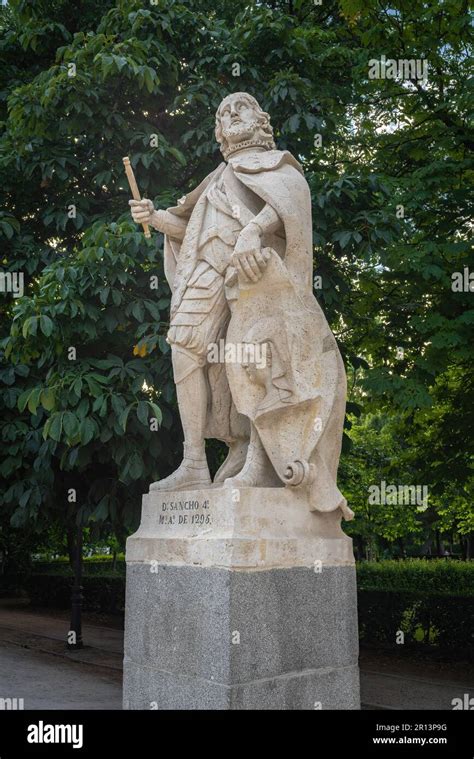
(76, 596)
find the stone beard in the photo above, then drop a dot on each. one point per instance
(238, 259)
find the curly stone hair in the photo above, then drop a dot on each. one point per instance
(263, 121)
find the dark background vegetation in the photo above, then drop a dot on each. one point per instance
(146, 69)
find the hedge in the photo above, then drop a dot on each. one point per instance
(89, 567)
(431, 602)
(50, 584)
(104, 593)
(418, 575)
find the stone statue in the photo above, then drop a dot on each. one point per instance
(254, 360)
(260, 551)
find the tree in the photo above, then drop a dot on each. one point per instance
(388, 166)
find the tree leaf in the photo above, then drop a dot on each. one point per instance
(46, 325)
(47, 399)
(34, 400)
(70, 425)
(87, 430)
(56, 426)
(23, 399)
(124, 417)
(142, 412)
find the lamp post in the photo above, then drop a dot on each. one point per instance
(75, 633)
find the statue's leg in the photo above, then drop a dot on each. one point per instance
(258, 470)
(235, 460)
(200, 321)
(191, 389)
(205, 403)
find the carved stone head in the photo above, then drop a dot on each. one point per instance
(241, 123)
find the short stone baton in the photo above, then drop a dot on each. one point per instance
(134, 188)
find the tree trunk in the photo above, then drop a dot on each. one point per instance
(469, 546)
(401, 546)
(438, 544)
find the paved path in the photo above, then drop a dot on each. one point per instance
(49, 682)
(393, 691)
(56, 627)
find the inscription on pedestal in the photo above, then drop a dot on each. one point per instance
(193, 513)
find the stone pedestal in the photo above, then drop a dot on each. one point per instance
(239, 599)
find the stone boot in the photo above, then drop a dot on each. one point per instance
(193, 472)
(258, 471)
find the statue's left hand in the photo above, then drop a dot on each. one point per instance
(248, 258)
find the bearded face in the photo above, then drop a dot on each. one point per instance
(238, 120)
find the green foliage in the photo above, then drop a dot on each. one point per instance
(431, 602)
(431, 623)
(102, 593)
(418, 575)
(380, 453)
(91, 408)
(79, 90)
(92, 565)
